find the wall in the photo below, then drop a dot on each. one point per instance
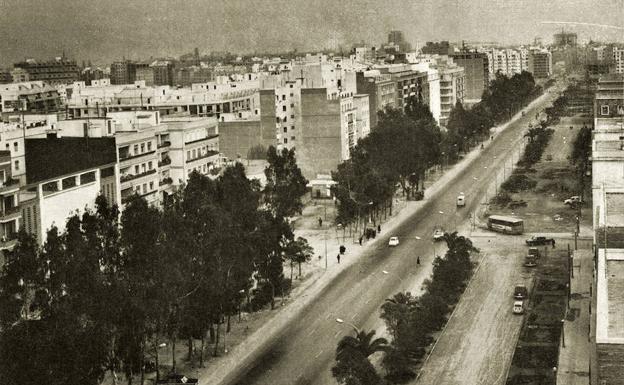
(238, 136)
(319, 151)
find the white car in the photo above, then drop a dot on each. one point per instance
(438, 234)
(461, 200)
(394, 241)
(518, 307)
(572, 200)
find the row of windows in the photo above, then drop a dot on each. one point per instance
(15, 146)
(292, 139)
(286, 128)
(144, 147)
(143, 167)
(200, 151)
(204, 168)
(145, 188)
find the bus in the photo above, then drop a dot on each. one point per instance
(505, 225)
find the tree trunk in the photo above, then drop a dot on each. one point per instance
(157, 361)
(291, 272)
(212, 334)
(143, 362)
(228, 328)
(190, 349)
(216, 345)
(299, 269)
(272, 296)
(173, 354)
(130, 377)
(201, 352)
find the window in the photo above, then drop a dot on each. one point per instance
(149, 165)
(292, 116)
(69, 182)
(149, 146)
(143, 168)
(8, 147)
(284, 97)
(109, 127)
(138, 189)
(142, 148)
(136, 149)
(285, 129)
(136, 169)
(194, 153)
(283, 108)
(292, 138)
(87, 177)
(285, 140)
(292, 127)
(604, 110)
(107, 172)
(188, 155)
(16, 165)
(151, 186)
(292, 105)
(144, 187)
(15, 146)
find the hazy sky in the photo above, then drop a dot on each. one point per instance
(106, 30)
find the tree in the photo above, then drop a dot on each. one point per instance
(298, 251)
(285, 183)
(396, 311)
(352, 364)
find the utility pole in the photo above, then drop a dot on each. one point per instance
(325, 239)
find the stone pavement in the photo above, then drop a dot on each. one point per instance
(574, 357)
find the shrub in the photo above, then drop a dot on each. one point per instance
(518, 182)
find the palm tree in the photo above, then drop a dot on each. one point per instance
(352, 364)
(395, 311)
(532, 133)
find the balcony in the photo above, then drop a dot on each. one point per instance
(10, 214)
(7, 242)
(165, 181)
(164, 162)
(166, 143)
(129, 177)
(208, 154)
(121, 159)
(202, 139)
(9, 184)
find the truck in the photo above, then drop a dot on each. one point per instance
(530, 260)
(540, 241)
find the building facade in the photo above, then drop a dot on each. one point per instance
(57, 71)
(476, 73)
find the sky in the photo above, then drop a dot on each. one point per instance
(106, 30)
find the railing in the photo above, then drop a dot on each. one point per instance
(207, 155)
(165, 181)
(137, 155)
(9, 182)
(10, 211)
(164, 162)
(125, 178)
(166, 143)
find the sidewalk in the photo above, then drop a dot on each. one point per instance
(252, 348)
(575, 356)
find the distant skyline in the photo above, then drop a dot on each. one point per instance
(107, 30)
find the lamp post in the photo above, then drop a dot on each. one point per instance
(341, 321)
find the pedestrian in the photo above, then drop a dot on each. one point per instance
(338, 257)
(320, 222)
(360, 241)
(553, 243)
(491, 137)
(320, 258)
(379, 228)
(418, 260)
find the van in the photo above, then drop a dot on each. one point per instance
(518, 307)
(520, 292)
(461, 200)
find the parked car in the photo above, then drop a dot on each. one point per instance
(518, 307)
(540, 241)
(520, 292)
(461, 200)
(394, 241)
(572, 200)
(438, 234)
(419, 195)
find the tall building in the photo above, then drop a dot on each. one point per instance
(540, 64)
(5, 76)
(57, 71)
(607, 161)
(164, 74)
(144, 73)
(29, 97)
(123, 72)
(381, 91)
(476, 73)
(438, 48)
(396, 40)
(618, 59)
(564, 39)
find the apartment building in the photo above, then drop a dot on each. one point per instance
(123, 72)
(381, 91)
(540, 63)
(409, 83)
(31, 97)
(476, 73)
(57, 71)
(608, 219)
(63, 176)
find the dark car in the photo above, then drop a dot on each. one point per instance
(540, 241)
(520, 292)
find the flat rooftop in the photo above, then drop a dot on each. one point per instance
(610, 297)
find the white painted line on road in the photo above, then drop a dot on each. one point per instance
(338, 332)
(312, 332)
(355, 315)
(318, 354)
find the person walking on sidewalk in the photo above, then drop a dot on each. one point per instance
(379, 228)
(360, 241)
(418, 260)
(338, 257)
(320, 220)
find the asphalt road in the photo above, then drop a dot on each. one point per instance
(304, 353)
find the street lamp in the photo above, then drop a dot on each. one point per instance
(341, 321)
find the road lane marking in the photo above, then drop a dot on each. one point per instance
(338, 332)
(318, 354)
(312, 332)
(355, 315)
